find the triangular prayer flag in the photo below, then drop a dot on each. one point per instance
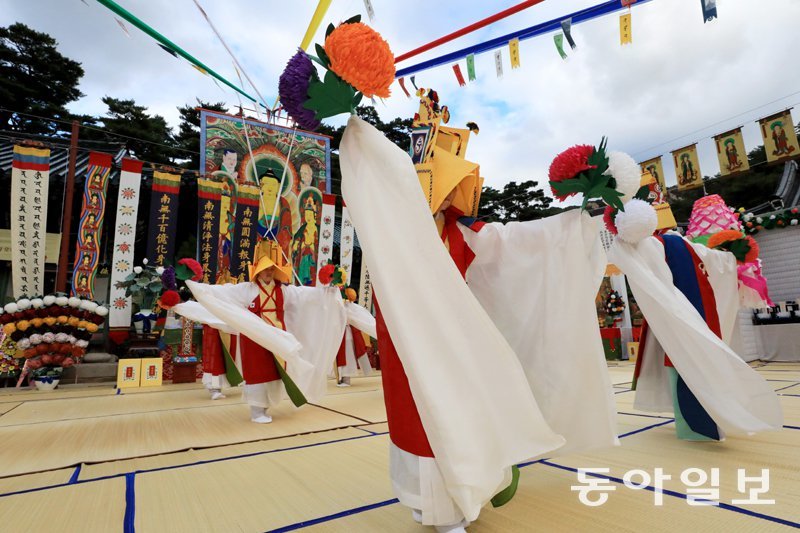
(413, 80)
(625, 34)
(559, 40)
(566, 27)
(498, 62)
(167, 50)
(513, 52)
(122, 25)
(471, 67)
(709, 10)
(370, 10)
(459, 76)
(200, 70)
(402, 83)
(627, 3)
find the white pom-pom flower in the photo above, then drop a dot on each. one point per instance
(62, 337)
(101, 311)
(74, 302)
(24, 344)
(62, 301)
(11, 307)
(159, 270)
(23, 304)
(48, 337)
(72, 339)
(82, 344)
(37, 303)
(85, 304)
(626, 172)
(91, 306)
(49, 299)
(36, 338)
(137, 270)
(144, 261)
(637, 222)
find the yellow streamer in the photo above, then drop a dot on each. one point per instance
(513, 51)
(316, 20)
(625, 34)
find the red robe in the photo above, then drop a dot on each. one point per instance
(359, 347)
(258, 363)
(213, 357)
(405, 426)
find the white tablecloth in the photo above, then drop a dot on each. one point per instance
(779, 342)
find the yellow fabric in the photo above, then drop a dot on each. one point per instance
(268, 254)
(316, 20)
(446, 172)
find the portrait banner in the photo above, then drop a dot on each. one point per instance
(245, 234)
(656, 169)
(326, 229)
(347, 237)
(293, 170)
(163, 222)
(780, 139)
(731, 152)
(130, 181)
(209, 195)
(687, 167)
(90, 227)
(30, 180)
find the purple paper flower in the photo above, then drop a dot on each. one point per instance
(293, 90)
(168, 279)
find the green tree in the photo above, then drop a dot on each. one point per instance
(35, 78)
(148, 136)
(187, 140)
(515, 202)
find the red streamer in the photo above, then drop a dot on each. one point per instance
(459, 76)
(468, 29)
(402, 82)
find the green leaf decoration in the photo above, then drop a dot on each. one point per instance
(613, 198)
(563, 188)
(504, 496)
(330, 97)
(183, 272)
(329, 30)
(643, 193)
(357, 99)
(353, 20)
(323, 56)
(155, 286)
(739, 248)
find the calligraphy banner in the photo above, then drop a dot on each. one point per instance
(30, 179)
(163, 222)
(90, 227)
(326, 229)
(365, 287)
(245, 235)
(687, 167)
(731, 152)
(293, 168)
(130, 180)
(780, 139)
(347, 236)
(656, 170)
(209, 196)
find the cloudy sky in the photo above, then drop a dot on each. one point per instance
(681, 81)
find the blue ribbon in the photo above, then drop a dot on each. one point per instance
(146, 319)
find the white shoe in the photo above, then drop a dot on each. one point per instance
(263, 419)
(416, 515)
(216, 395)
(454, 528)
(342, 384)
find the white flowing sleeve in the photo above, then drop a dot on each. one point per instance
(538, 281)
(360, 318)
(197, 313)
(724, 280)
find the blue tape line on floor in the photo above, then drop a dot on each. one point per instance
(74, 477)
(328, 518)
(675, 494)
(634, 432)
(128, 524)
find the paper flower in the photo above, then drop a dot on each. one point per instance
(361, 57)
(326, 274)
(170, 298)
(293, 90)
(608, 219)
(637, 222)
(168, 279)
(194, 266)
(137, 270)
(568, 164)
(626, 172)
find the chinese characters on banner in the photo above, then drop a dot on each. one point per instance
(209, 194)
(245, 234)
(687, 167)
(347, 235)
(780, 140)
(87, 253)
(119, 317)
(365, 287)
(30, 178)
(163, 218)
(731, 152)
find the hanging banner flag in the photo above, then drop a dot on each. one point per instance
(566, 27)
(209, 196)
(227, 225)
(655, 168)
(709, 10)
(245, 235)
(625, 32)
(731, 152)
(459, 76)
(471, 67)
(513, 53)
(687, 167)
(346, 242)
(414, 82)
(130, 179)
(559, 40)
(370, 10)
(326, 230)
(498, 62)
(780, 139)
(365, 287)
(163, 222)
(30, 180)
(87, 254)
(402, 83)
(627, 3)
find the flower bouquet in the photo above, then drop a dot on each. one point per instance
(174, 280)
(143, 286)
(51, 333)
(614, 307)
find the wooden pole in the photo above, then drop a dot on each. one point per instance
(66, 221)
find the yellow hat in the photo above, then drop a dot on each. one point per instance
(269, 254)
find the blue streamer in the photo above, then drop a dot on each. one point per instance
(539, 29)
